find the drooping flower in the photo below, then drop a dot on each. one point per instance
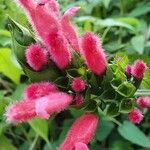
(128, 70)
(78, 84)
(49, 29)
(135, 116)
(93, 53)
(81, 146)
(82, 131)
(20, 111)
(53, 103)
(69, 29)
(38, 90)
(36, 57)
(138, 69)
(79, 99)
(143, 101)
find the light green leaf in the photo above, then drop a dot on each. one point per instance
(132, 133)
(5, 144)
(7, 65)
(106, 3)
(138, 43)
(40, 126)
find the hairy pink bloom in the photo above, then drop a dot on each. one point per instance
(138, 69)
(36, 57)
(81, 146)
(82, 130)
(69, 29)
(20, 111)
(50, 31)
(143, 101)
(78, 84)
(53, 103)
(93, 53)
(128, 70)
(79, 100)
(38, 90)
(135, 116)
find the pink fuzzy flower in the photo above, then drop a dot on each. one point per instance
(20, 111)
(82, 130)
(79, 100)
(78, 84)
(135, 116)
(93, 53)
(69, 29)
(53, 103)
(138, 69)
(143, 101)
(38, 90)
(81, 146)
(128, 70)
(36, 57)
(49, 29)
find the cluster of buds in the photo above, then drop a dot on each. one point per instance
(54, 60)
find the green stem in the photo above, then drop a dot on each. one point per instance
(34, 143)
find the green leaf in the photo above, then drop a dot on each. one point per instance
(112, 110)
(40, 126)
(121, 145)
(106, 3)
(132, 133)
(5, 144)
(8, 67)
(138, 43)
(104, 129)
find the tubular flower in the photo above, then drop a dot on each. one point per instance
(82, 131)
(69, 29)
(143, 101)
(52, 103)
(138, 69)
(135, 116)
(128, 70)
(78, 84)
(81, 146)
(49, 30)
(38, 90)
(36, 57)
(93, 53)
(20, 111)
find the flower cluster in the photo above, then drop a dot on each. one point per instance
(70, 71)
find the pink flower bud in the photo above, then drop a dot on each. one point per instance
(20, 111)
(128, 70)
(49, 29)
(135, 116)
(138, 69)
(81, 146)
(143, 101)
(82, 130)
(93, 53)
(69, 29)
(36, 57)
(78, 84)
(38, 90)
(79, 100)
(52, 103)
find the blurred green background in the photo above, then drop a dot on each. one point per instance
(124, 27)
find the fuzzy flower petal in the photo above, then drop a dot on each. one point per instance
(138, 69)
(78, 84)
(81, 146)
(128, 70)
(79, 99)
(38, 90)
(36, 57)
(69, 29)
(93, 53)
(143, 101)
(82, 130)
(20, 111)
(135, 116)
(52, 103)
